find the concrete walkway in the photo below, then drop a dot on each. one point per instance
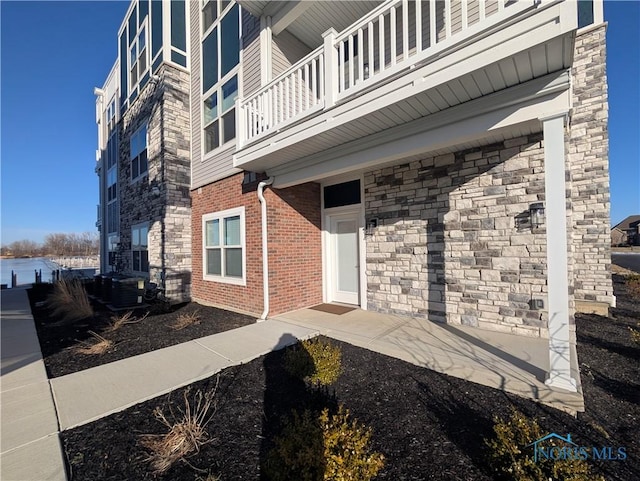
(29, 443)
(34, 409)
(91, 394)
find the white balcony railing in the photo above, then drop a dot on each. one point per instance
(390, 38)
(298, 90)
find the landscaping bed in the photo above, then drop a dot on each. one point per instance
(426, 425)
(147, 329)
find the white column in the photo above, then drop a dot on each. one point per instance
(330, 68)
(266, 58)
(559, 375)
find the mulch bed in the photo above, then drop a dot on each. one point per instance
(427, 425)
(58, 342)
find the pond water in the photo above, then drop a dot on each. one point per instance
(25, 269)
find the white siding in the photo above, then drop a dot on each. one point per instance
(287, 50)
(251, 54)
(220, 165)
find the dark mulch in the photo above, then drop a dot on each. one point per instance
(427, 425)
(154, 332)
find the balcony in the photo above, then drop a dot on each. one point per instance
(401, 62)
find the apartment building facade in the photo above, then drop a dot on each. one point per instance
(143, 160)
(440, 160)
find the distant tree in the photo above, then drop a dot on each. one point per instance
(25, 247)
(72, 244)
(56, 244)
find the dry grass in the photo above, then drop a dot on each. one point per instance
(69, 301)
(633, 285)
(616, 269)
(187, 431)
(122, 320)
(635, 334)
(95, 348)
(186, 320)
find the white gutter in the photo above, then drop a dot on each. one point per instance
(265, 257)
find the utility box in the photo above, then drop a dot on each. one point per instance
(127, 292)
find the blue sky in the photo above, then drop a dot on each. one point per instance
(54, 53)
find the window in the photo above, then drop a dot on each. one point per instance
(585, 13)
(138, 146)
(220, 59)
(112, 182)
(113, 244)
(139, 248)
(223, 246)
(220, 120)
(138, 61)
(111, 115)
(346, 193)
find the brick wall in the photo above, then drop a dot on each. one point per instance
(295, 247)
(295, 265)
(588, 154)
(161, 198)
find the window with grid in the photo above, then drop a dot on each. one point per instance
(112, 182)
(220, 59)
(138, 146)
(224, 246)
(140, 248)
(138, 53)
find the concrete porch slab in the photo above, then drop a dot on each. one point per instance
(512, 363)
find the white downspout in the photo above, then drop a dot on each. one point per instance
(265, 256)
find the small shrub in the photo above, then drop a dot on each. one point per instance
(69, 301)
(187, 431)
(314, 360)
(323, 448)
(96, 348)
(512, 458)
(633, 285)
(186, 320)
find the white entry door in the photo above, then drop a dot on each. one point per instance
(344, 258)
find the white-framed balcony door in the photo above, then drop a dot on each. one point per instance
(344, 257)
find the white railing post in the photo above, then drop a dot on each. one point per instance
(330, 68)
(241, 125)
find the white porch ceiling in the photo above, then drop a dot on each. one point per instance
(314, 19)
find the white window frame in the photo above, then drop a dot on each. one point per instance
(217, 87)
(143, 225)
(220, 216)
(140, 175)
(130, 46)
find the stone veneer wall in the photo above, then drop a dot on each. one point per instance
(447, 247)
(165, 105)
(588, 153)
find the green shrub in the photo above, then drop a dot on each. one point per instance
(314, 360)
(512, 458)
(323, 447)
